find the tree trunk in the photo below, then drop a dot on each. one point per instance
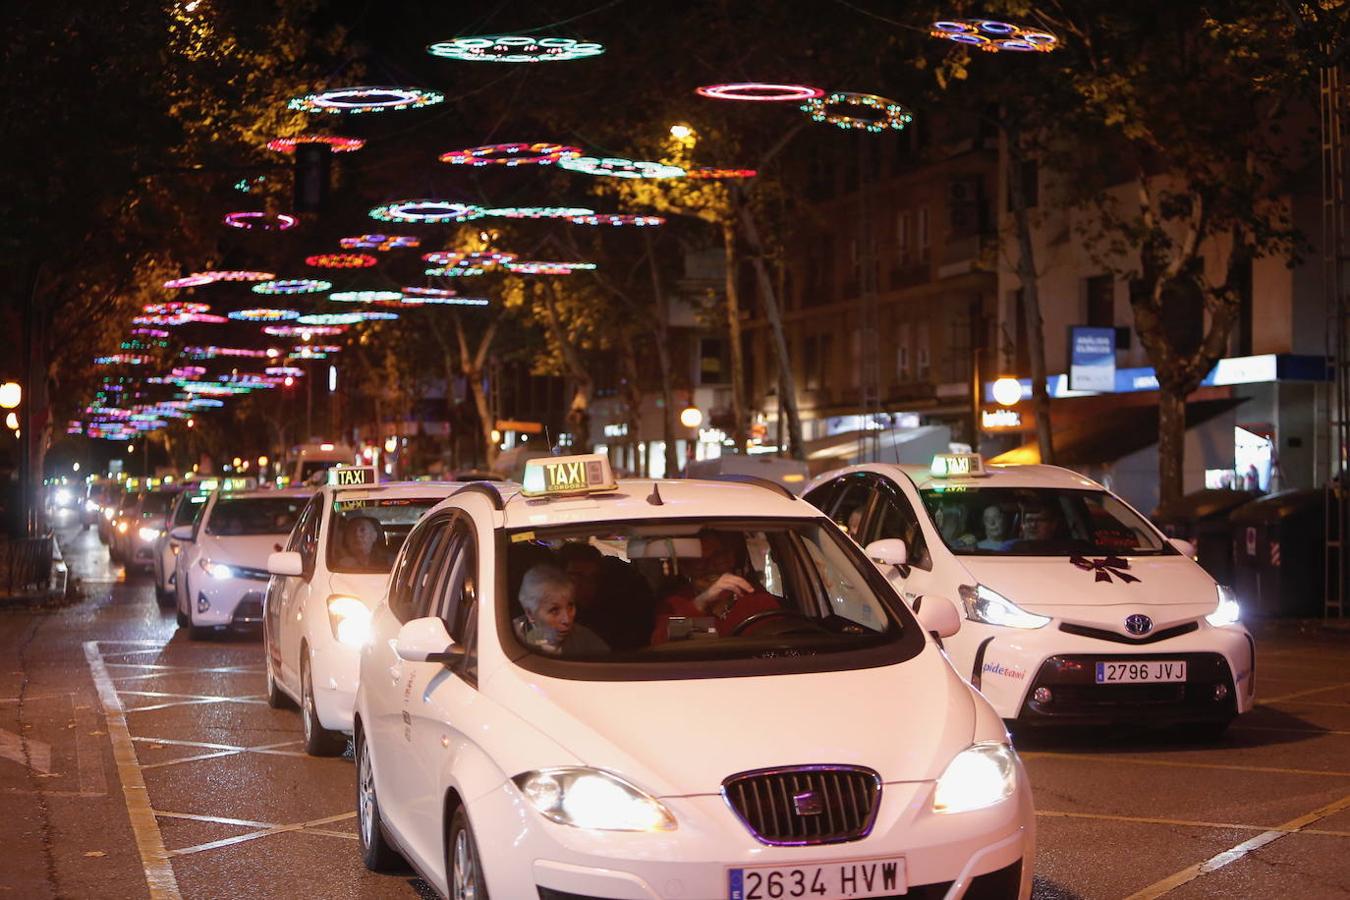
(661, 335)
(787, 394)
(1026, 273)
(632, 395)
(738, 413)
(1171, 444)
(579, 410)
(472, 366)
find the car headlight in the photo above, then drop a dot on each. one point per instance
(592, 798)
(1228, 611)
(108, 514)
(350, 620)
(62, 497)
(215, 569)
(981, 775)
(90, 506)
(149, 535)
(992, 608)
(122, 527)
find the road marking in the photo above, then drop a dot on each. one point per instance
(1288, 728)
(1176, 764)
(37, 755)
(1185, 823)
(218, 820)
(265, 749)
(268, 832)
(1283, 698)
(198, 701)
(159, 875)
(1232, 855)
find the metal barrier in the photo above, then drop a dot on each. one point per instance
(25, 565)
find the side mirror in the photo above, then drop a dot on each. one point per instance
(1185, 548)
(286, 562)
(888, 552)
(426, 640)
(182, 533)
(938, 615)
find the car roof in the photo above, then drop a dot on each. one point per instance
(1024, 476)
(399, 489)
(264, 494)
(636, 498)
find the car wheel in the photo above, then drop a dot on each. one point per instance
(465, 869)
(319, 741)
(182, 618)
(376, 851)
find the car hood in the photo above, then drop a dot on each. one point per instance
(369, 589)
(1169, 589)
(681, 738)
(250, 550)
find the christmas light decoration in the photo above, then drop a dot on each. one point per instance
(616, 167)
(293, 286)
(614, 219)
(304, 331)
(483, 258)
(427, 211)
(264, 314)
(246, 185)
(253, 220)
(365, 296)
(187, 371)
(382, 242)
(871, 113)
(121, 359)
(188, 281)
(175, 308)
(317, 348)
(365, 100)
(540, 154)
(203, 319)
(994, 36)
(211, 352)
(445, 301)
(538, 212)
(760, 92)
(236, 275)
(162, 320)
(292, 371)
(711, 173)
(504, 48)
(150, 332)
(454, 271)
(341, 261)
(539, 267)
(345, 318)
(414, 293)
(338, 144)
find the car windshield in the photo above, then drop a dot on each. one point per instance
(311, 468)
(255, 515)
(365, 534)
(156, 504)
(754, 594)
(1005, 521)
(188, 511)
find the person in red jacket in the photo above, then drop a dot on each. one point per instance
(719, 587)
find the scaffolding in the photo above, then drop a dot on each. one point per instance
(1335, 118)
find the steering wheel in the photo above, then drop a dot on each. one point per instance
(750, 621)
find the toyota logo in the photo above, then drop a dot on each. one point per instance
(1138, 624)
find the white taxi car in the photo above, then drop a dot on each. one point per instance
(316, 615)
(686, 689)
(186, 508)
(1077, 609)
(221, 570)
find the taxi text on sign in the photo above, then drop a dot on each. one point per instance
(349, 477)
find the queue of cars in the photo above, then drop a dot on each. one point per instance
(581, 687)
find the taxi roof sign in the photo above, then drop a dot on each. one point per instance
(353, 476)
(954, 465)
(555, 476)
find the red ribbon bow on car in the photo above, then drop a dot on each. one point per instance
(1105, 568)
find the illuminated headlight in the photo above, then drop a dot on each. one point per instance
(215, 569)
(90, 506)
(1228, 611)
(108, 514)
(62, 497)
(350, 620)
(149, 535)
(981, 775)
(122, 527)
(592, 798)
(992, 608)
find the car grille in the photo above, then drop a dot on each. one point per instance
(1116, 637)
(806, 804)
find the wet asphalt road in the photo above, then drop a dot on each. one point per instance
(178, 775)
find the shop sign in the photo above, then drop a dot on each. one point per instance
(1000, 419)
(615, 430)
(1092, 358)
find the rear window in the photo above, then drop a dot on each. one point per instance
(255, 515)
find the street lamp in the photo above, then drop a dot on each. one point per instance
(12, 421)
(691, 417)
(11, 395)
(1007, 391)
(681, 131)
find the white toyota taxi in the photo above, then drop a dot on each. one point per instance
(316, 614)
(221, 570)
(1077, 609)
(692, 689)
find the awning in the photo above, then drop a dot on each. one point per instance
(1107, 437)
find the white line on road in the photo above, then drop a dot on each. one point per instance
(1283, 698)
(1219, 860)
(159, 875)
(1178, 764)
(268, 832)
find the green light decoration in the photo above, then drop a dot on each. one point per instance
(540, 267)
(538, 212)
(293, 286)
(345, 318)
(365, 100)
(264, 314)
(427, 211)
(483, 258)
(454, 271)
(366, 296)
(868, 112)
(505, 48)
(617, 167)
(445, 301)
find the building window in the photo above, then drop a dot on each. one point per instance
(713, 363)
(902, 361)
(921, 357)
(921, 233)
(902, 237)
(817, 349)
(1101, 301)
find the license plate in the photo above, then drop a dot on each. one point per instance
(828, 881)
(1143, 672)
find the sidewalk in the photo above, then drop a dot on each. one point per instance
(25, 579)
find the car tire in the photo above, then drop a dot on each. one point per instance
(376, 851)
(464, 867)
(319, 741)
(183, 621)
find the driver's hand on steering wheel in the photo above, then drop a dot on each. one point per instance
(728, 582)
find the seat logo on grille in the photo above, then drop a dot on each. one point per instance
(1138, 624)
(808, 803)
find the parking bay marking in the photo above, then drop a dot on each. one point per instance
(1177, 764)
(1232, 855)
(1184, 823)
(268, 831)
